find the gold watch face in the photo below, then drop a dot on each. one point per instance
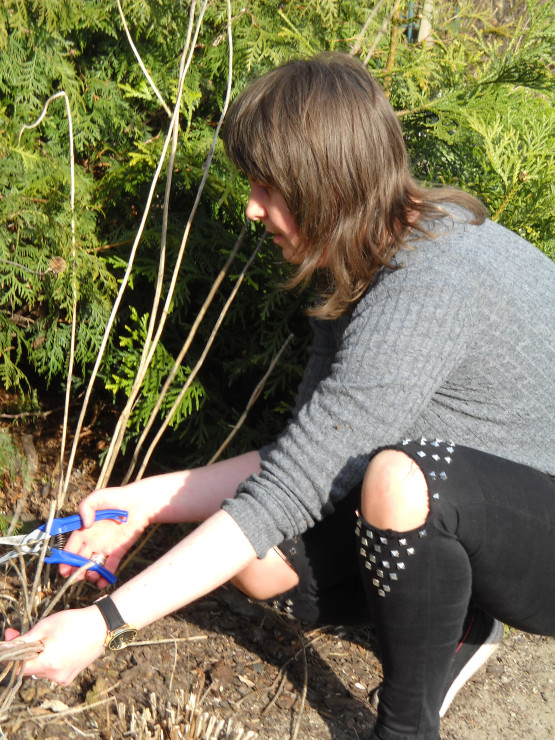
(121, 637)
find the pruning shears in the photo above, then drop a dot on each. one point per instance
(33, 542)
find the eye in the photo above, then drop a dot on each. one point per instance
(260, 187)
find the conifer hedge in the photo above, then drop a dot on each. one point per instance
(476, 100)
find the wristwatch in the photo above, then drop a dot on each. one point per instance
(120, 634)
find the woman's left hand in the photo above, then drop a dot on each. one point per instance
(72, 640)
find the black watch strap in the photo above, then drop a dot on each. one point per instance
(110, 612)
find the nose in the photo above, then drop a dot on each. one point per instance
(256, 207)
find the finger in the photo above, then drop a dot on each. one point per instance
(91, 504)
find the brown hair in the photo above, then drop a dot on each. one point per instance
(322, 133)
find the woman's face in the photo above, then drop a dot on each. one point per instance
(267, 205)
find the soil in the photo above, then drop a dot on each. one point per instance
(226, 667)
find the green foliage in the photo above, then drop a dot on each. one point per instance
(123, 375)
(477, 110)
(12, 463)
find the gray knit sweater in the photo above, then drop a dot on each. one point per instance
(457, 344)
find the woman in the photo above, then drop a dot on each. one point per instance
(426, 406)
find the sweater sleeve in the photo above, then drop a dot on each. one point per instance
(402, 341)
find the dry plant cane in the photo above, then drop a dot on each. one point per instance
(39, 120)
(130, 263)
(150, 347)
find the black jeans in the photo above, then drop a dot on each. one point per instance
(489, 539)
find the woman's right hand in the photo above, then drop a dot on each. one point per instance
(108, 537)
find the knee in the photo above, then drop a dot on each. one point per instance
(394, 492)
(266, 578)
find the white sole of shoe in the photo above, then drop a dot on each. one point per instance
(477, 660)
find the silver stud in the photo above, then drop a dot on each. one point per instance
(436, 457)
(386, 564)
(379, 573)
(370, 534)
(367, 564)
(403, 542)
(393, 577)
(406, 441)
(387, 588)
(383, 540)
(364, 541)
(436, 495)
(357, 530)
(443, 475)
(375, 582)
(421, 454)
(373, 559)
(422, 533)
(435, 443)
(423, 440)
(433, 474)
(410, 550)
(448, 460)
(362, 551)
(400, 566)
(395, 553)
(381, 592)
(450, 449)
(377, 548)
(289, 602)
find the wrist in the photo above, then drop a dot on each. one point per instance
(118, 633)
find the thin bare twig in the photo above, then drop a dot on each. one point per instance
(44, 548)
(252, 400)
(68, 583)
(192, 638)
(179, 359)
(196, 369)
(136, 551)
(75, 710)
(141, 63)
(358, 42)
(304, 691)
(381, 33)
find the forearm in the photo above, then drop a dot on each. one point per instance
(193, 495)
(212, 554)
(199, 492)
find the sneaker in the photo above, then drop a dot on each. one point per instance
(481, 638)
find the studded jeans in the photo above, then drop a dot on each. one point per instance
(489, 538)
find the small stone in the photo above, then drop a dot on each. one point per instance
(495, 669)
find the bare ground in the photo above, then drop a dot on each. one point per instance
(226, 667)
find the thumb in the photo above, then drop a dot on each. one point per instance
(11, 634)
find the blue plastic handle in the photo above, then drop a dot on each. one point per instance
(73, 522)
(70, 558)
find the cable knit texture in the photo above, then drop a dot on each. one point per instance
(457, 344)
